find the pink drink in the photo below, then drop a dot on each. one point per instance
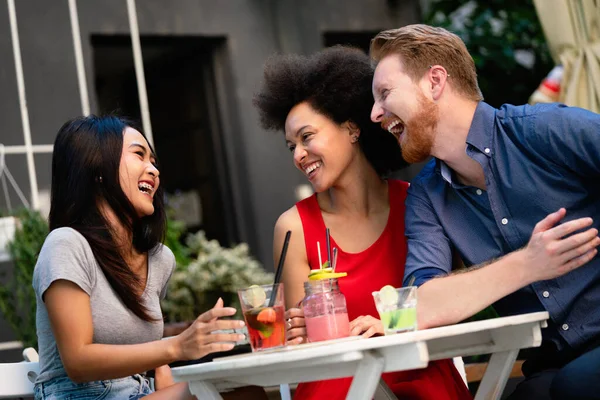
(328, 326)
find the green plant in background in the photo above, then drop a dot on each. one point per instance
(17, 298)
(506, 41)
(175, 231)
(214, 272)
(487, 313)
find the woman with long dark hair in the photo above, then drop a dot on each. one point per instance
(102, 272)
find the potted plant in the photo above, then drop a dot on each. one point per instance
(213, 272)
(17, 298)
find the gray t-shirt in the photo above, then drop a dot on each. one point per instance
(67, 255)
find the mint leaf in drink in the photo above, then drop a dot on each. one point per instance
(395, 319)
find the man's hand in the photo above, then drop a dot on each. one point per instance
(553, 250)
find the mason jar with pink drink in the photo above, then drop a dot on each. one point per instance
(325, 312)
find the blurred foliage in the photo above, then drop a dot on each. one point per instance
(173, 240)
(506, 41)
(17, 297)
(487, 313)
(213, 272)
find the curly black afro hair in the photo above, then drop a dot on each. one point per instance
(336, 82)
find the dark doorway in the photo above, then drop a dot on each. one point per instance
(185, 123)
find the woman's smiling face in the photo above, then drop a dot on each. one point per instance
(139, 177)
(322, 149)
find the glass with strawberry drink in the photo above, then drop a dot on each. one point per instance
(263, 309)
(324, 306)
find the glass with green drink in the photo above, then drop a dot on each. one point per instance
(397, 308)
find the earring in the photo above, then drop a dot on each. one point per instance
(354, 139)
(447, 74)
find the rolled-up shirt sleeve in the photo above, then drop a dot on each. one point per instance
(429, 250)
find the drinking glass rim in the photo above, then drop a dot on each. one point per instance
(376, 292)
(267, 286)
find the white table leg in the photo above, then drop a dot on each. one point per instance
(204, 391)
(284, 391)
(367, 376)
(496, 375)
(383, 392)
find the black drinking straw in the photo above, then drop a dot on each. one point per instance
(328, 247)
(280, 267)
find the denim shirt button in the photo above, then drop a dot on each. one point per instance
(504, 221)
(565, 327)
(487, 150)
(479, 192)
(546, 294)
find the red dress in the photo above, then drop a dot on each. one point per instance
(381, 264)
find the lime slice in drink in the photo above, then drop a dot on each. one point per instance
(388, 295)
(254, 296)
(326, 275)
(319, 271)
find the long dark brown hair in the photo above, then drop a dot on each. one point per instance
(85, 170)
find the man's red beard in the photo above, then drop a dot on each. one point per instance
(420, 132)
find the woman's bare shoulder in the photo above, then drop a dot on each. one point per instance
(289, 220)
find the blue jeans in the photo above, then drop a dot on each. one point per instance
(62, 388)
(577, 380)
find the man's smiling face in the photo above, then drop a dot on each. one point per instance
(402, 109)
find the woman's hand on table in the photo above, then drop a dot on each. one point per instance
(199, 340)
(295, 326)
(366, 326)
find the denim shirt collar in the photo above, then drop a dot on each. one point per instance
(479, 137)
(482, 128)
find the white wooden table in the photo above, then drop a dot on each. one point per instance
(367, 359)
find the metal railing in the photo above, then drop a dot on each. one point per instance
(28, 148)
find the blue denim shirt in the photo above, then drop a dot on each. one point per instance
(536, 159)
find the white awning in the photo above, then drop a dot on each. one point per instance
(572, 30)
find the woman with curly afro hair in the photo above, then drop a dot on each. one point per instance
(322, 103)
